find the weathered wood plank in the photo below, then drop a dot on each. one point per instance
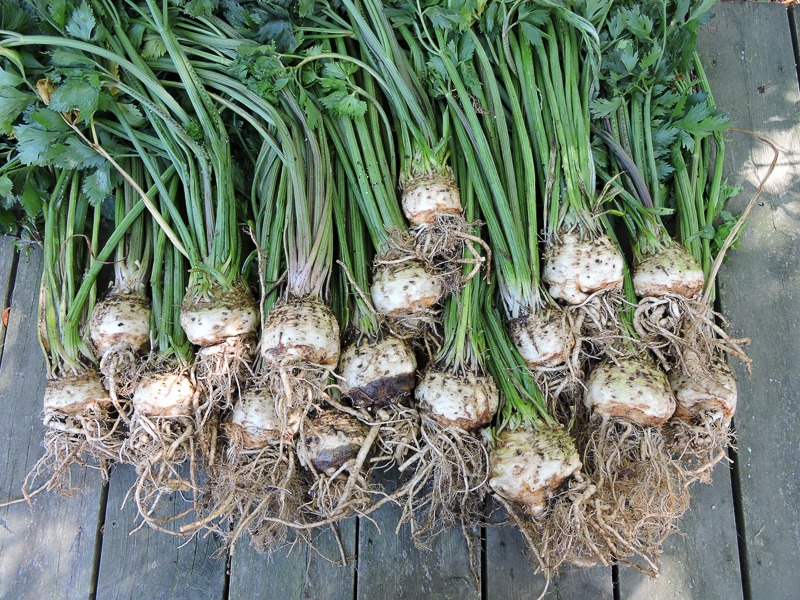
(752, 68)
(8, 258)
(149, 564)
(510, 575)
(302, 573)
(47, 552)
(390, 566)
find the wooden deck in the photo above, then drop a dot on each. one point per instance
(742, 534)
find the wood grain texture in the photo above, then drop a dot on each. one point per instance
(8, 258)
(302, 573)
(46, 551)
(752, 70)
(150, 564)
(510, 575)
(390, 566)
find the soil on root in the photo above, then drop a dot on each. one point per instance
(346, 491)
(398, 436)
(572, 531)
(164, 452)
(448, 483)
(672, 325)
(250, 492)
(421, 328)
(598, 326)
(121, 368)
(75, 440)
(223, 370)
(640, 487)
(393, 434)
(562, 384)
(699, 445)
(448, 244)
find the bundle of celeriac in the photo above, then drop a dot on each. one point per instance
(664, 136)
(53, 118)
(339, 160)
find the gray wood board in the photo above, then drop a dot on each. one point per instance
(46, 551)
(299, 573)
(510, 574)
(151, 564)
(750, 62)
(390, 566)
(7, 259)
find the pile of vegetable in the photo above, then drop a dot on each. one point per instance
(292, 246)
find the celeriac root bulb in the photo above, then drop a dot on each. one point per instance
(377, 374)
(120, 320)
(258, 422)
(332, 438)
(673, 270)
(528, 466)
(404, 289)
(76, 395)
(576, 268)
(425, 198)
(77, 426)
(704, 390)
(212, 318)
(634, 390)
(301, 331)
(464, 401)
(543, 339)
(165, 395)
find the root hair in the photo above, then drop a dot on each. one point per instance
(700, 444)
(641, 486)
(249, 488)
(600, 328)
(449, 482)
(672, 325)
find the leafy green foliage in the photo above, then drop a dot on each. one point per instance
(81, 23)
(153, 47)
(132, 114)
(697, 118)
(80, 95)
(340, 93)
(21, 191)
(17, 16)
(12, 103)
(7, 78)
(97, 186)
(458, 51)
(646, 43)
(8, 221)
(603, 108)
(31, 198)
(201, 8)
(6, 186)
(260, 68)
(45, 140)
(725, 221)
(647, 57)
(65, 154)
(267, 22)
